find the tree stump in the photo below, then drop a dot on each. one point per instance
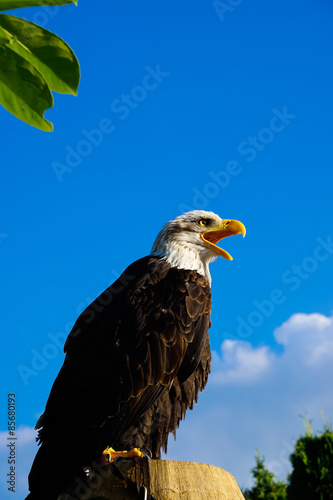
(164, 480)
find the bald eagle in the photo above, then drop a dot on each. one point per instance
(136, 358)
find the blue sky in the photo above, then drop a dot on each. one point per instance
(182, 106)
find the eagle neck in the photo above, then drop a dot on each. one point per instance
(183, 256)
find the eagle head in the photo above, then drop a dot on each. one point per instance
(190, 240)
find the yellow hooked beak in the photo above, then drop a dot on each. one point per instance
(227, 228)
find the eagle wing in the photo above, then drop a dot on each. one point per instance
(153, 428)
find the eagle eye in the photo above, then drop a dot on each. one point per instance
(203, 222)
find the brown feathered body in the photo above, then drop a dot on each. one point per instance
(135, 361)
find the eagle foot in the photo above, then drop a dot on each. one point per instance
(109, 454)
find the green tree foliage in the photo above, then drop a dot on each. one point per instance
(312, 462)
(33, 61)
(266, 486)
(312, 470)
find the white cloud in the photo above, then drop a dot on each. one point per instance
(24, 435)
(308, 338)
(240, 363)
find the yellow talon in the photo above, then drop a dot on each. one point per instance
(109, 454)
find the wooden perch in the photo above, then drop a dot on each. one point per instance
(164, 480)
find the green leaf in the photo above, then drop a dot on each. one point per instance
(4, 36)
(23, 91)
(16, 4)
(47, 52)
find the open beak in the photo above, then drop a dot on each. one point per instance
(227, 228)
